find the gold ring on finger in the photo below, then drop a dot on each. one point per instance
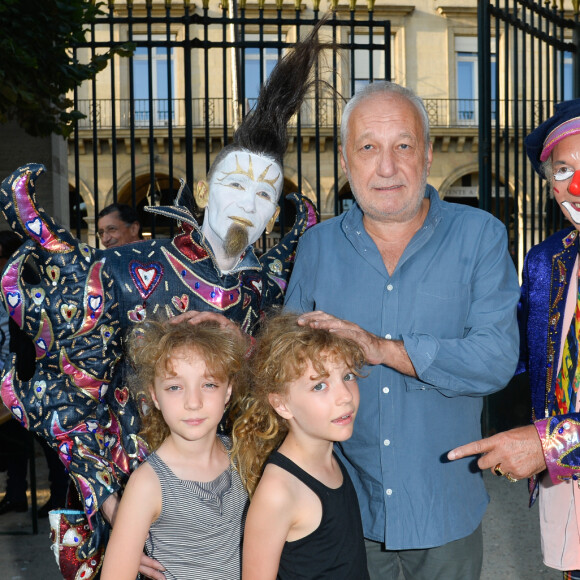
(498, 470)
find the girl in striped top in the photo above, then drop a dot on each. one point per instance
(186, 502)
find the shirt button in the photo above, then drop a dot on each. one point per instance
(389, 491)
(388, 336)
(385, 390)
(389, 287)
(386, 442)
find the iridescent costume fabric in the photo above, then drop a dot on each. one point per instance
(548, 270)
(76, 313)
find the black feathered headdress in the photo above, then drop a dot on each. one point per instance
(264, 130)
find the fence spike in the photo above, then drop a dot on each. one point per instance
(575, 4)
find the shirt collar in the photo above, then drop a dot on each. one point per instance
(353, 219)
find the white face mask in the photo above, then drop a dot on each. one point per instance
(243, 197)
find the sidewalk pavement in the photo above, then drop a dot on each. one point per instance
(511, 538)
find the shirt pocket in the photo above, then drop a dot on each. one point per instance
(441, 309)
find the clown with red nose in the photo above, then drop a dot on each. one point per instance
(560, 161)
(548, 450)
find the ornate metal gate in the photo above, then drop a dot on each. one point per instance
(164, 112)
(528, 52)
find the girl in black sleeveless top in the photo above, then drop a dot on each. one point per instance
(303, 521)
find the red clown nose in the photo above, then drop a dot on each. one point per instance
(574, 187)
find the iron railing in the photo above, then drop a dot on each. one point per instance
(213, 112)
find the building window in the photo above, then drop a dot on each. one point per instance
(465, 110)
(361, 69)
(161, 59)
(258, 64)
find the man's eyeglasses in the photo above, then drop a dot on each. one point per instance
(110, 230)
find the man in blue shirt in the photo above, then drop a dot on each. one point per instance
(429, 290)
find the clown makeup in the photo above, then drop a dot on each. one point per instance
(563, 173)
(243, 198)
(565, 160)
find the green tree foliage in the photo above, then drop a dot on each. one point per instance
(38, 64)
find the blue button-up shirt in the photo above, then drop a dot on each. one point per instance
(452, 301)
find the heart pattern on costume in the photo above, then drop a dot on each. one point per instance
(138, 314)
(35, 226)
(105, 478)
(53, 273)
(13, 299)
(146, 277)
(68, 311)
(86, 251)
(110, 441)
(39, 389)
(122, 395)
(41, 344)
(38, 295)
(276, 267)
(106, 333)
(256, 286)
(64, 449)
(181, 302)
(95, 302)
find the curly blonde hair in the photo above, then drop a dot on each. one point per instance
(281, 355)
(150, 346)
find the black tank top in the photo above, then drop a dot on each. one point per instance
(335, 550)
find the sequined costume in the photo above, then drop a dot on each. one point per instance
(76, 315)
(547, 275)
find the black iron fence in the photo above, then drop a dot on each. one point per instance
(105, 113)
(536, 66)
(165, 112)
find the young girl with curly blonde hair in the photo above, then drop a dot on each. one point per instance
(303, 521)
(186, 503)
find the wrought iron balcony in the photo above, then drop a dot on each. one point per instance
(443, 113)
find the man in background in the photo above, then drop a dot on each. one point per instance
(118, 225)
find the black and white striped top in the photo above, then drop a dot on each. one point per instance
(198, 533)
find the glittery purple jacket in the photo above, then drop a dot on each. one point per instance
(548, 269)
(78, 310)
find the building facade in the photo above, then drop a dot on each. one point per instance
(164, 113)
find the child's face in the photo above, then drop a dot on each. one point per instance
(191, 400)
(321, 407)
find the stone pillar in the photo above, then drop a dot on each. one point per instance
(17, 148)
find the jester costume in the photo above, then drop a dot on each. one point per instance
(547, 277)
(76, 313)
